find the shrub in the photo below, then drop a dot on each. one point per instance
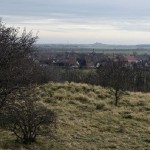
(27, 118)
(17, 67)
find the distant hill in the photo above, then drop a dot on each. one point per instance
(94, 46)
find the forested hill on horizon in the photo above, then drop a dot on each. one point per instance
(95, 46)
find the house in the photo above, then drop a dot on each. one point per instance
(131, 59)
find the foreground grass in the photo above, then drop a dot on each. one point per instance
(88, 119)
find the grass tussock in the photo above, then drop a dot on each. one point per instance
(88, 119)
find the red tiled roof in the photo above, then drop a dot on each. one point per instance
(131, 58)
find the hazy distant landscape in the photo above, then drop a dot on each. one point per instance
(97, 47)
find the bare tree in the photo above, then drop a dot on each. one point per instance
(115, 76)
(16, 63)
(26, 117)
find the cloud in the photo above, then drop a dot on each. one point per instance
(79, 8)
(85, 17)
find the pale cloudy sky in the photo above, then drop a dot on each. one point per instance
(81, 21)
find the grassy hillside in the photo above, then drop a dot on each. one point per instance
(88, 119)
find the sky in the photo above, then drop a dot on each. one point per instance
(81, 21)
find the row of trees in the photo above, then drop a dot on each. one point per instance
(114, 75)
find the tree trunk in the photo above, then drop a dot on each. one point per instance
(116, 97)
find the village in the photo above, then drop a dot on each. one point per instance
(92, 59)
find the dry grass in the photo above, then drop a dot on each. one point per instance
(88, 120)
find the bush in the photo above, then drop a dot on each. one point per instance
(17, 67)
(27, 118)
